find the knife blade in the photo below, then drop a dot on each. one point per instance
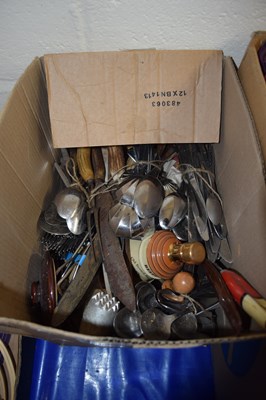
(115, 265)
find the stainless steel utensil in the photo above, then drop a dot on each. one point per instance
(99, 314)
(67, 202)
(77, 222)
(56, 230)
(214, 208)
(156, 325)
(125, 222)
(146, 297)
(148, 197)
(181, 230)
(127, 323)
(127, 197)
(172, 211)
(185, 326)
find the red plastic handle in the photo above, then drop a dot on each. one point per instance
(238, 286)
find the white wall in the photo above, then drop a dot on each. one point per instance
(35, 27)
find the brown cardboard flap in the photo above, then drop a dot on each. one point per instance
(110, 98)
(239, 174)
(26, 170)
(254, 85)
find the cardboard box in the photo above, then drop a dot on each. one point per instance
(152, 96)
(28, 177)
(253, 82)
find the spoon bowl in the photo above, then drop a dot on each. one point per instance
(214, 209)
(148, 197)
(77, 222)
(127, 323)
(172, 211)
(156, 325)
(68, 201)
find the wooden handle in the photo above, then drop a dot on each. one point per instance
(116, 159)
(84, 164)
(189, 253)
(98, 164)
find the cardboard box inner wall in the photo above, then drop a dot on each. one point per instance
(28, 178)
(253, 82)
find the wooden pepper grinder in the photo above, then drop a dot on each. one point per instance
(162, 255)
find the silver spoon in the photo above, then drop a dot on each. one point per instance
(77, 222)
(127, 323)
(186, 326)
(213, 204)
(67, 202)
(156, 325)
(146, 297)
(214, 209)
(148, 197)
(125, 222)
(127, 197)
(181, 230)
(172, 211)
